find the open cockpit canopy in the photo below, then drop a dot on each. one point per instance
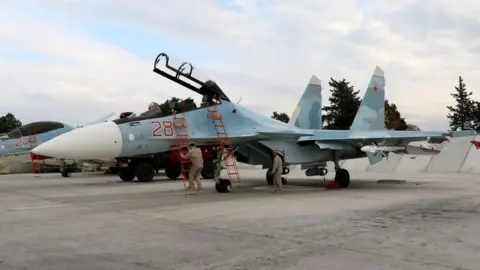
(187, 75)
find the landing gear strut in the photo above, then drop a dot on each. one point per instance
(342, 176)
(64, 169)
(221, 185)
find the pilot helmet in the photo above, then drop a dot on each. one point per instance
(153, 107)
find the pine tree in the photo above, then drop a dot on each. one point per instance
(393, 118)
(476, 116)
(281, 117)
(177, 105)
(343, 107)
(462, 115)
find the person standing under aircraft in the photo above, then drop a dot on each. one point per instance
(195, 155)
(277, 171)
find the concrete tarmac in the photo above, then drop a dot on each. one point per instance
(92, 221)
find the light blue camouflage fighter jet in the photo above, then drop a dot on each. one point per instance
(16, 144)
(253, 136)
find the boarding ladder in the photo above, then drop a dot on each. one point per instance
(32, 141)
(224, 142)
(182, 141)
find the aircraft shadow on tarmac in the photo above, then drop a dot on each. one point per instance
(294, 185)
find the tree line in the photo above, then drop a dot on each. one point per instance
(8, 122)
(340, 113)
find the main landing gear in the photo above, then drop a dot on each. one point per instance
(342, 176)
(269, 176)
(143, 169)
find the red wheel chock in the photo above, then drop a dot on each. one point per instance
(333, 185)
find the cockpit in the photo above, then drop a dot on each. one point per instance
(32, 129)
(187, 76)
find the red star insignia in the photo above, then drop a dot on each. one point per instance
(375, 89)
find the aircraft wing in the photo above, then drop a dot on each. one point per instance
(387, 138)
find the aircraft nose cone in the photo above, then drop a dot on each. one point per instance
(101, 141)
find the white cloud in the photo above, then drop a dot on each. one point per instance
(273, 49)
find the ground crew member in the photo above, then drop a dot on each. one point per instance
(277, 171)
(195, 155)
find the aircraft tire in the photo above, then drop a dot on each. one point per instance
(223, 186)
(126, 174)
(145, 171)
(269, 177)
(208, 171)
(342, 177)
(172, 171)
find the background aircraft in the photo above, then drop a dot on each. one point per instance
(15, 146)
(253, 136)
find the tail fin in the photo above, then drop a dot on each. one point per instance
(308, 113)
(371, 113)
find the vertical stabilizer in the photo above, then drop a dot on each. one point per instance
(308, 112)
(371, 113)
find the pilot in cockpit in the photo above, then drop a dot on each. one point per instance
(153, 107)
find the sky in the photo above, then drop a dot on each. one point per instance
(77, 60)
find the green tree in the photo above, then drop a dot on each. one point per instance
(393, 118)
(281, 117)
(461, 115)
(476, 116)
(344, 103)
(176, 104)
(8, 122)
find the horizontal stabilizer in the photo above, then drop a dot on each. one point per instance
(463, 133)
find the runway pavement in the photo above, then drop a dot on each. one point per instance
(92, 221)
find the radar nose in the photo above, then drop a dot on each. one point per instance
(100, 141)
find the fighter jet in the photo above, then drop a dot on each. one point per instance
(15, 145)
(254, 136)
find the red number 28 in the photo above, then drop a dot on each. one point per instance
(167, 128)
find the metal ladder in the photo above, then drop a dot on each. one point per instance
(225, 144)
(182, 141)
